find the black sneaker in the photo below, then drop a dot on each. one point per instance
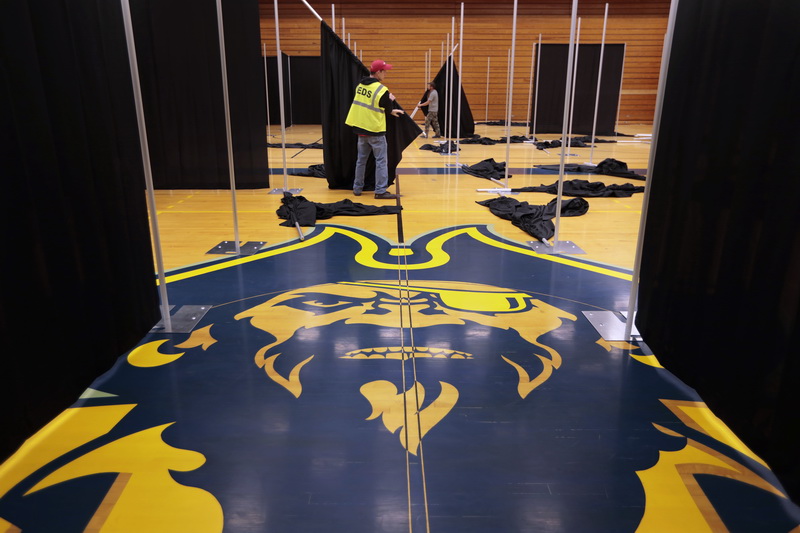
(385, 196)
(357, 192)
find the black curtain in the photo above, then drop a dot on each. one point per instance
(720, 275)
(305, 90)
(448, 100)
(551, 81)
(273, 90)
(181, 75)
(78, 287)
(341, 71)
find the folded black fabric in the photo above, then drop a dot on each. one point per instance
(488, 169)
(535, 220)
(306, 213)
(314, 171)
(609, 167)
(586, 189)
(444, 148)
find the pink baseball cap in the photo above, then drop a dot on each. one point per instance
(379, 64)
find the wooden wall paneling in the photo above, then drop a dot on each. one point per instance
(402, 33)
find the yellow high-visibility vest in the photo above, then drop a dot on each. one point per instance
(365, 113)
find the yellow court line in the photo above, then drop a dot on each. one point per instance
(366, 256)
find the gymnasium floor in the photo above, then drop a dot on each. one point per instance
(452, 380)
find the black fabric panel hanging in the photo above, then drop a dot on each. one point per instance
(719, 299)
(181, 76)
(448, 100)
(551, 80)
(305, 90)
(273, 90)
(78, 286)
(340, 74)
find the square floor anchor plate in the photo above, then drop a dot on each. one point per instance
(183, 320)
(560, 247)
(229, 248)
(610, 326)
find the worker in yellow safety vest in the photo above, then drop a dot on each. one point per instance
(371, 103)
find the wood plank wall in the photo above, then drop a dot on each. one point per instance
(402, 33)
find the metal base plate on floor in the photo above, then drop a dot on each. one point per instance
(611, 325)
(183, 320)
(559, 247)
(281, 191)
(229, 248)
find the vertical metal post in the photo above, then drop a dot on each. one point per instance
(662, 82)
(536, 97)
(565, 123)
(148, 171)
(224, 69)
(460, 77)
(451, 67)
(280, 96)
(574, 82)
(510, 92)
(333, 17)
(530, 92)
(266, 85)
(599, 78)
(488, 68)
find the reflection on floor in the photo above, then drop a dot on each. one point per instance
(350, 383)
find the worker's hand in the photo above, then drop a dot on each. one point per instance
(398, 112)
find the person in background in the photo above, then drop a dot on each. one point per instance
(371, 105)
(432, 117)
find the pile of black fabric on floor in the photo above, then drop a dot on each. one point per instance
(314, 171)
(608, 166)
(448, 147)
(488, 169)
(306, 213)
(535, 220)
(586, 189)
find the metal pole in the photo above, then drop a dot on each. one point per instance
(280, 95)
(599, 78)
(312, 10)
(488, 67)
(536, 97)
(266, 86)
(224, 69)
(460, 75)
(574, 81)
(564, 126)
(662, 82)
(451, 66)
(148, 171)
(621, 79)
(333, 17)
(530, 92)
(510, 92)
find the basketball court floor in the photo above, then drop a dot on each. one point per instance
(434, 370)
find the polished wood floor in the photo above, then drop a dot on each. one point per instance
(455, 382)
(192, 222)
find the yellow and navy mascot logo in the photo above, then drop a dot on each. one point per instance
(346, 383)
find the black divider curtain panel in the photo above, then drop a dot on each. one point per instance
(181, 75)
(273, 91)
(551, 80)
(340, 74)
(305, 91)
(78, 285)
(447, 101)
(719, 296)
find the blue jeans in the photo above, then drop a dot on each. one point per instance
(377, 145)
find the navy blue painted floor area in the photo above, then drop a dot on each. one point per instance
(347, 384)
